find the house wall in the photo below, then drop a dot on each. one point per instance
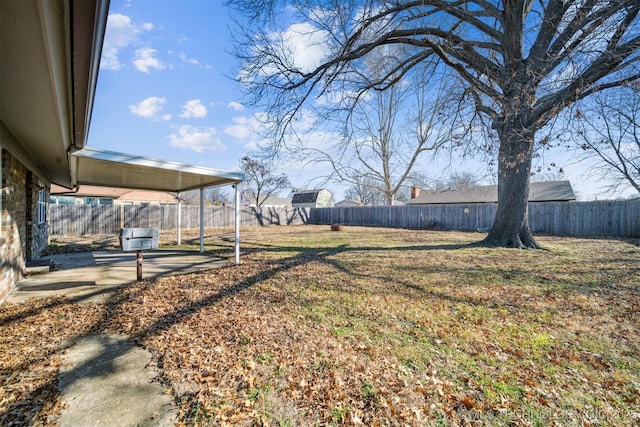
(21, 237)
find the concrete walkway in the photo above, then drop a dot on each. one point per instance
(105, 380)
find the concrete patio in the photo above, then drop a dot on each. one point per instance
(95, 276)
(107, 380)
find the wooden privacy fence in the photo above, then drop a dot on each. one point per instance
(617, 218)
(109, 219)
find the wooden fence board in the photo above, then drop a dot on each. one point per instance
(109, 219)
(618, 218)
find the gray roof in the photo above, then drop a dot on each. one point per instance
(554, 191)
(348, 203)
(309, 196)
(276, 201)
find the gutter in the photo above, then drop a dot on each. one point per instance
(86, 56)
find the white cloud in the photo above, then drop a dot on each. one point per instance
(244, 127)
(236, 106)
(305, 121)
(302, 46)
(184, 58)
(148, 107)
(307, 45)
(197, 139)
(336, 97)
(144, 60)
(188, 60)
(193, 108)
(121, 32)
(248, 130)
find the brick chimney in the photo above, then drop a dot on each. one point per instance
(415, 192)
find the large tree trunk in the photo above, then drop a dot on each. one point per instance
(511, 224)
(389, 198)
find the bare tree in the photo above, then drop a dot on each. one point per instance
(522, 61)
(366, 192)
(385, 135)
(548, 174)
(456, 181)
(260, 180)
(607, 129)
(212, 195)
(191, 197)
(217, 196)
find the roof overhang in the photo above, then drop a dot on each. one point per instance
(111, 169)
(50, 53)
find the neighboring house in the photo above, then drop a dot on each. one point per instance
(274, 201)
(312, 199)
(347, 203)
(94, 195)
(49, 51)
(358, 204)
(555, 191)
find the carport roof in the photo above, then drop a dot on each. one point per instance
(108, 168)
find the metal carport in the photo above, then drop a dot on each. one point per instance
(91, 166)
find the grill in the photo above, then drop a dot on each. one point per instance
(138, 239)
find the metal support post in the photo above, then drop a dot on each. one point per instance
(237, 207)
(139, 264)
(179, 218)
(202, 220)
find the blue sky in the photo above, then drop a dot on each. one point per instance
(165, 91)
(162, 90)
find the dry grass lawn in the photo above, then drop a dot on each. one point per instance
(367, 326)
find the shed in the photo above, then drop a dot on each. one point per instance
(553, 191)
(312, 199)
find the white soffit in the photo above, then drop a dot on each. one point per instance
(49, 57)
(111, 169)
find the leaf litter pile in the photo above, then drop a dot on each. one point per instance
(366, 326)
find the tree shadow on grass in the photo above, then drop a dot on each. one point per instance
(301, 256)
(40, 400)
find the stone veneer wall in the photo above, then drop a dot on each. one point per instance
(21, 238)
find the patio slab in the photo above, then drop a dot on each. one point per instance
(106, 380)
(95, 276)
